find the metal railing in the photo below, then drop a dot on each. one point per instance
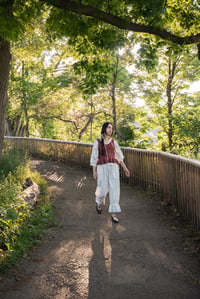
(175, 178)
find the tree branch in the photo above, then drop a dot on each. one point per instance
(85, 127)
(120, 22)
(90, 119)
(60, 118)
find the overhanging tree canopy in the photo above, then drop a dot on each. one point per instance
(173, 20)
(176, 21)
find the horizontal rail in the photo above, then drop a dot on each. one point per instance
(174, 177)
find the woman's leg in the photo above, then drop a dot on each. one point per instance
(114, 189)
(102, 183)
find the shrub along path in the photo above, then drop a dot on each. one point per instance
(87, 256)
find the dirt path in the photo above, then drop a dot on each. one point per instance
(87, 256)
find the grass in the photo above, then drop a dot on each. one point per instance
(21, 227)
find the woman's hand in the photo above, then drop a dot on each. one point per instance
(127, 172)
(95, 173)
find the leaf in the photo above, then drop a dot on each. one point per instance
(12, 214)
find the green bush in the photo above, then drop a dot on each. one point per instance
(20, 226)
(11, 161)
(25, 233)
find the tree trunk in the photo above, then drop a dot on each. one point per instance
(171, 74)
(4, 76)
(114, 116)
(24, 104)
(114, 109)
(169, 108)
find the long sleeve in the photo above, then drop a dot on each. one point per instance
(94, 155)
(118, 153)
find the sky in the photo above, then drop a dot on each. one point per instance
(194, 87)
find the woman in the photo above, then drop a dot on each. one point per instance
(105, 159)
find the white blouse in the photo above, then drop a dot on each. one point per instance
(95, 153)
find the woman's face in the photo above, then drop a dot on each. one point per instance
(109, 130)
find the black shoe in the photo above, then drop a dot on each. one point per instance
(98, 208)
(115, 219)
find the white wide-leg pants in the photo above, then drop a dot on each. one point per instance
(108, 181)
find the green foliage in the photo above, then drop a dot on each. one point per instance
(125, 132)
(171, 74)
(30, 80)
(85, 34)
(15, 15)
(65, 76)
(70, 25)
(187, 132)
(95, 74)
(22, 230)
(125, 135)
(8, 189)
(20, 227)
(148, 56)
(11, 162)
(148, 11)
(186, 12)
(10, 26)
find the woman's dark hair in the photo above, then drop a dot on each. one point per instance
(104, 127)
(103, 131)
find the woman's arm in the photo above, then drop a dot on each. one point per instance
(94, 154)
(120, 157)
(126, 171)
(94, 158)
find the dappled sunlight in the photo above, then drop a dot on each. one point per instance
(69, 266)
(80, 183)
(162, 255)
(54, 191)
(35, 162)
(65, 247)
(150, 249)
(120, 228)
(55, 177)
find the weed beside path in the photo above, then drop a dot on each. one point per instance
(87, 256)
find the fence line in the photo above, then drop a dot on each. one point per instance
(174, 177)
